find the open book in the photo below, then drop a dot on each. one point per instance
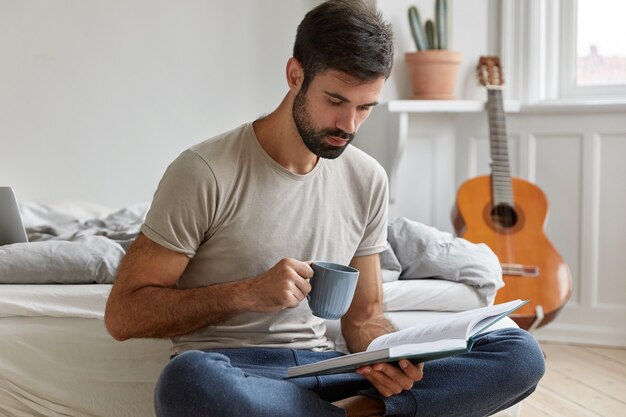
(426, 341)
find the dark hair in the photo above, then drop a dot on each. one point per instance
(347, 36)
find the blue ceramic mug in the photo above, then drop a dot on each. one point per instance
(332, 289)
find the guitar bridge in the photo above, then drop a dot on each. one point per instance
(519, 270)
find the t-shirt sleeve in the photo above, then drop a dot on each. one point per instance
(375, 237)
(183, 206)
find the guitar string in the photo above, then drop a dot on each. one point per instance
(501, 178)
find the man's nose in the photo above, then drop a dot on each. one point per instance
(347, 121)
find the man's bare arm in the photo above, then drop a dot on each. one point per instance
(365, 321)
(144, 302)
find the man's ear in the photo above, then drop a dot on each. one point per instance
(295, 74)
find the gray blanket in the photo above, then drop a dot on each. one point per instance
(63, 250)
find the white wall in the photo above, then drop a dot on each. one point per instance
(97, 97)
(574, 154)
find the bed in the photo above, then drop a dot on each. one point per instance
(57, 358)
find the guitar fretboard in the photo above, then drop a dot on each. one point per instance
(500, 170)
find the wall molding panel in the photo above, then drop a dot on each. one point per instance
(575, 156)
(586, 317)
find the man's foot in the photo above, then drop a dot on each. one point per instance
(361, 406)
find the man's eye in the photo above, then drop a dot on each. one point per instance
(365, 108)
(334, 102)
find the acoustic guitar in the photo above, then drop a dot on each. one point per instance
(509, 215)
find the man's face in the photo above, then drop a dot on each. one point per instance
(328, 113)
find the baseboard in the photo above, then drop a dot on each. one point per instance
(587, 335)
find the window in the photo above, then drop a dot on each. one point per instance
(601, 50)
(572, 50)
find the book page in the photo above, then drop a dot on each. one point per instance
(456, 326)
(447, 328)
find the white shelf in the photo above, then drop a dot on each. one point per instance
(445, 106)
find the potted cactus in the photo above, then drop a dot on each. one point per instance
(433, 69)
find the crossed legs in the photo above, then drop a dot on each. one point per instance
(503, 368)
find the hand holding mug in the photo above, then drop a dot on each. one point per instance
(284, 285)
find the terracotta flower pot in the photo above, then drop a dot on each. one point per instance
(433, 73)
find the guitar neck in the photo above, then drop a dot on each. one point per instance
(500, 169)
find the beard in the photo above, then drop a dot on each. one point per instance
(315, 140)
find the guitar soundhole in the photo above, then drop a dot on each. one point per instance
(504, 215)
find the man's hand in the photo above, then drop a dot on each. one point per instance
(284, 285)
(389, 379)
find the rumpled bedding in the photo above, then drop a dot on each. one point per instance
(71, 248)
(417, 251)
(66, 248)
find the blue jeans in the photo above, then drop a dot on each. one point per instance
(503, 368)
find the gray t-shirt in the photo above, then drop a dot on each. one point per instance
(236, 212)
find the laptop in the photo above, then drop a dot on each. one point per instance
(11, 225)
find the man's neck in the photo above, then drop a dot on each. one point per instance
(279, 137)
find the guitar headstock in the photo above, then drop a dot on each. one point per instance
(490, 72)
